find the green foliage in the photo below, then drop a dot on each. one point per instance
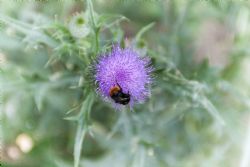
(197, 110)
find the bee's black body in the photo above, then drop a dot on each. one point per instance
(118, 96)
(121, 98)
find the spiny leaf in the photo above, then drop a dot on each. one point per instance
(80, 134)
(82, 128)
(28, 30)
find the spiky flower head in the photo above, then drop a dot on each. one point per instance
(126, 69)
(78, 25)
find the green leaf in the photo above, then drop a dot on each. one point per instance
(80, 134)
(212, 110)
(83, 122)
(31, 32)
(108, 20)
(39, 96)
(72, 118)
(143, 30)
(91, 13)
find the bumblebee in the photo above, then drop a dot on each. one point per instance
(118, 96)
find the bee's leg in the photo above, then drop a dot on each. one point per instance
(118, 84)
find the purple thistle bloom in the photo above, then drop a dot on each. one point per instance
(125, 69)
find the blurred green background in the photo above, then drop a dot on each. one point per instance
(198, 112)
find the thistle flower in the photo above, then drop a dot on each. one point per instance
(123, 76)
(78, 25)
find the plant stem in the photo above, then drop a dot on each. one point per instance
(96, 29)
(96, 41)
